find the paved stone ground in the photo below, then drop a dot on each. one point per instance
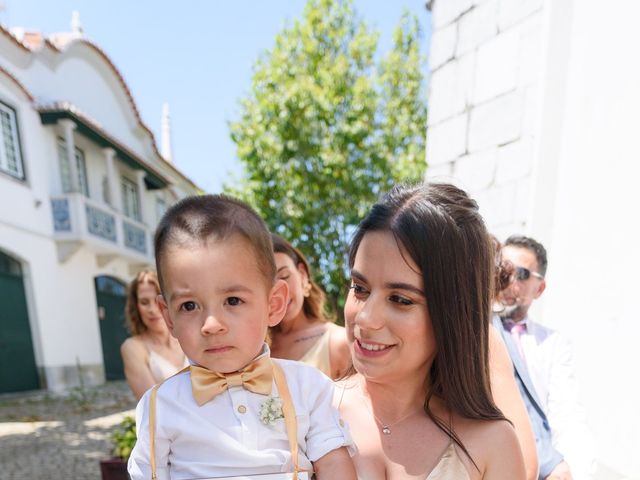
(63, 437)
(47, 436)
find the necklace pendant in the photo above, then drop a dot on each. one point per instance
(386, 430)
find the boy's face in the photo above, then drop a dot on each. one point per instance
(217, 302)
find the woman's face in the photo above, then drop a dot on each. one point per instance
(296, 278)
(148, 308)
(386, 313)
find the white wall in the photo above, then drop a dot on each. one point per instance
(484, 91)
(534, 109)
(79, 77)
(593, 223)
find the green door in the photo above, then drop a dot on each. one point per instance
(111, 295)
(17, 361)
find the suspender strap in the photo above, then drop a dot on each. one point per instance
(152, 431)
(288, 410)
(289, 415)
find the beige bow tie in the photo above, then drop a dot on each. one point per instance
(257, 377)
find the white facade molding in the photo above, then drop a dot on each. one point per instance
(141, 194)
(113, 179)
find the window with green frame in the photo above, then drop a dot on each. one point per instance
(65, 169)
(10, 151)
(130, 199)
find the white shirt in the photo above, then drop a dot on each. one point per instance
(225, 437)
(550, 365)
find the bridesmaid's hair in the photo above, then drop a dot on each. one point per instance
(314, 305)
(134, 321)
(504, 269)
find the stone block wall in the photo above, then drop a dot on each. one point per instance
(485, 64)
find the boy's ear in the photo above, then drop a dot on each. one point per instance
(164, 310)
(278, 301)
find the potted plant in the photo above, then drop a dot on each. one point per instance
(123, 438)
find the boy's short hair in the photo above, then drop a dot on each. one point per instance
(214, 217)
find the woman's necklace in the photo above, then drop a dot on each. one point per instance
(385, 428)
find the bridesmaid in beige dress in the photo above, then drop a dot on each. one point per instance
(306, 333)
(417, 315)
(151, 354)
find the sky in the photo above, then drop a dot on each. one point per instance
(196, 55)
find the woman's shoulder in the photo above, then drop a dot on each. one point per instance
(300, 372)
(338, 332)
(134, 346)
(477, 431)
(304, 381)
(490, 456)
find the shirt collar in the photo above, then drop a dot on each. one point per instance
(524, 321)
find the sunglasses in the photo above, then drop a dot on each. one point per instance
(523, 274)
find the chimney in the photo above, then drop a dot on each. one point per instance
(76, 27)
(165, 135)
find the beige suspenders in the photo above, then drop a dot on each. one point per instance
(288, 411)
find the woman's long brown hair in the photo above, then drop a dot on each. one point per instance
(440, 228)
(134, 322)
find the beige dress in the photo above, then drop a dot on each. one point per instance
(161, 368)
(318, 355)
(450, 467)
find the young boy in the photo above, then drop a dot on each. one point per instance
(234, 412)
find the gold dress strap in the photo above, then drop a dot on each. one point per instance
(449, 467)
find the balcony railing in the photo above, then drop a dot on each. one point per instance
(80, 219)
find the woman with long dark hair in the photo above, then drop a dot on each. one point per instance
(417, 318)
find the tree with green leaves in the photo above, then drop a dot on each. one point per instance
(324, 130)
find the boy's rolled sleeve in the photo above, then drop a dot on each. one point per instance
(327, 430)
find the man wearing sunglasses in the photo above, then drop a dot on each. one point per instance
(546, 356)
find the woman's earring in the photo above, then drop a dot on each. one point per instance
(306, 290)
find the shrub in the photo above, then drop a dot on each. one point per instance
(124, 438)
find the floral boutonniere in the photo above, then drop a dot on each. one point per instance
(271, 410)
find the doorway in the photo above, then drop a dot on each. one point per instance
(111, 295)
(18, 369)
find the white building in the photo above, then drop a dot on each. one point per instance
(533, 108)
(82, 187)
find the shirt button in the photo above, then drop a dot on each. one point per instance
(242, 409)
(341, 422)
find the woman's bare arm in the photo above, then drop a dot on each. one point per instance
(136, 367)
(336, 464)
(503, 454)
(507, 397)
